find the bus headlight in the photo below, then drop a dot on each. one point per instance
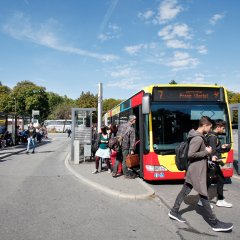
(151, 168)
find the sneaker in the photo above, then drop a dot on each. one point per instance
(95, 171)
(33, 151)
(219, 226)
(223, 203)
(176, 216)
(27, 152)
(201, 205)
(109, 171)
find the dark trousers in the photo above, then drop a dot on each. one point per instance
(121, 157)
(220, 181)
(186, 189)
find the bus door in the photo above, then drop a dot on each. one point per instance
(139, 136)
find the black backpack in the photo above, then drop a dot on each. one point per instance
(181, 151)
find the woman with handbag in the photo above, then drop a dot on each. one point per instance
(103, 150)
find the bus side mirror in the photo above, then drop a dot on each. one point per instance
(146, 103)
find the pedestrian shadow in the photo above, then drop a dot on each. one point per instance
(45, 152)
(2, 160)
(191, 201)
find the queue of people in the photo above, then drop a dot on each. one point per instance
(117, 154)
(23, 136)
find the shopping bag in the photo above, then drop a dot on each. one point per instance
(132, 160)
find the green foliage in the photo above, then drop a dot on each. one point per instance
(87, 100)
(54, 100)
(233, 97)
(61, 111)
(173, 82)
(110, 103)
(30, 97)
(6, 99)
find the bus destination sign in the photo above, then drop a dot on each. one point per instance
(187, 94)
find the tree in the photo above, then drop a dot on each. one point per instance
(173, 82)
(54, 100)
(87, 100)
(233, 97)
(30, 97)
(7, 103)
(110, 103)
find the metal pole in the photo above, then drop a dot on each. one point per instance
(32, 116)
(73, 133)
(15, 105)
(99, 106)
(238, 138)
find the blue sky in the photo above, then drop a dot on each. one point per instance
(69, 46)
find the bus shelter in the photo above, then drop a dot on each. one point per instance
(235, 112)
(81, 127)
(13, 123)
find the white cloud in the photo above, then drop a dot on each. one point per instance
(168, 10)
(176, 30)
(125, 77)
(182, 60)
(202, 49)
(113, 31)
(19, 27)
(107, 16)
(215, 18)
(146, 15)
(199, 77)
(209, 31)
(133, 50)
(174, 43)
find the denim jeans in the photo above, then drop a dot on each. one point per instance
(31, 140)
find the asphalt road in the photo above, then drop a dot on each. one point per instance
(41, 199)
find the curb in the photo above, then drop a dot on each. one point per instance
(150, 191)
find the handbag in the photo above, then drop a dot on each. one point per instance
(132, 160)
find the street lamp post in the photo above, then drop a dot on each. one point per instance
(15, 101)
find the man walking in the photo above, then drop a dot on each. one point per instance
(196, 176)
(127, 133)
(31, 133)
(217, 149)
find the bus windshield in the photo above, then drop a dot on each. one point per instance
(171, 122)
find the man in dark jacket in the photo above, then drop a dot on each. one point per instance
(127, 132)
(217, 149)
(196, 176)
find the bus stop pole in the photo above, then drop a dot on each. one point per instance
(99, 106)
(238, 139)
(73, 133)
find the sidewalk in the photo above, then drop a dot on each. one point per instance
(103, 181)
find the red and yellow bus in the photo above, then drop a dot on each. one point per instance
(165, 115)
